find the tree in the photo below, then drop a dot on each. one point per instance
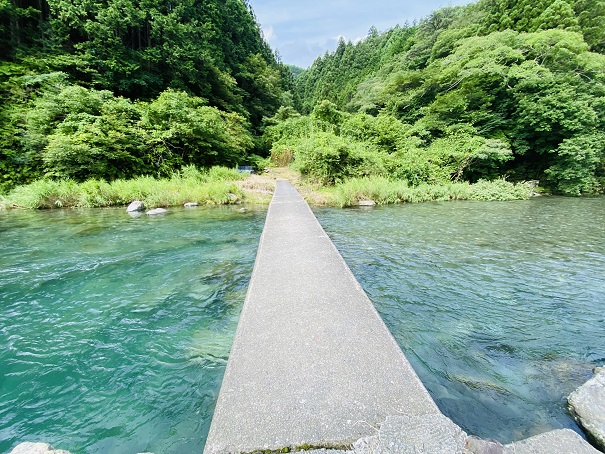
(181, 130)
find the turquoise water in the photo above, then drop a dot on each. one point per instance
(499, 306)
(115, 331)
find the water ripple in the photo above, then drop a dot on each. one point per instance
(116, 329)
(497, 305)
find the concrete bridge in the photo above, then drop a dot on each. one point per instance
(313, 366)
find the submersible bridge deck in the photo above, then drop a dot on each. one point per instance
(313, 365)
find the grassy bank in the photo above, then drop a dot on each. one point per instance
(384, 191)
(219, 185)
(215, 186)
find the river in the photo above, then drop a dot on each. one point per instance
(499, 306)
(116, 330)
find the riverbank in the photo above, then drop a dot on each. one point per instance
(370, 191)
(214, 186)
(222, 186)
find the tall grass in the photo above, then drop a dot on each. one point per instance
(384, 191)
(211, 187)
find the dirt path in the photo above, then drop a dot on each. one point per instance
(259, 188)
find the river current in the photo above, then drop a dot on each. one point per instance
(499, 306)
(115, 331)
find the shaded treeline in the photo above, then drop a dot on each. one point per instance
(118, 88)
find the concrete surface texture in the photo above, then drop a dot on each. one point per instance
(312, 363)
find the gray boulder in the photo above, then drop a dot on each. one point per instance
(136, 206)
(36, 448)
(587, 405)
(157, 211)
(476, 445)
(560, 441)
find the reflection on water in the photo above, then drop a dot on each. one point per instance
(498, 305)
(115, 331)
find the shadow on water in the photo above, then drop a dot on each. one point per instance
(498, 306)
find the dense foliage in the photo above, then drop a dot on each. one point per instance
(511, 88)
(117, 88)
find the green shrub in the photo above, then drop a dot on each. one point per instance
(500, 190)
(214, 186)
(326, 158)
(385, 191)
(259, 163)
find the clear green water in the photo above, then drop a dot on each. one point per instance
(499, 306)
(115, 331)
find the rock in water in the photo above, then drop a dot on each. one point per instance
(157, 211)
(36, 448)
(587, 405)
(135, 206)
(190, 205)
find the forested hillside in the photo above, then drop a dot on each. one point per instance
(499, 88)
(119, 88)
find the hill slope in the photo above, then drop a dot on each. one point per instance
(511, 88)
(126, 87)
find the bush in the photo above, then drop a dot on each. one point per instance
(580, 165)
(82, 133)
(326, 158)
(500, 190)
(384, 191)
(259, 163)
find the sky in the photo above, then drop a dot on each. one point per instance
(303, 30)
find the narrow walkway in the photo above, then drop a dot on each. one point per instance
(312, 364)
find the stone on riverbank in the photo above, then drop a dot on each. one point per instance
(157, 211)
(36, 448)
(587, 405)
(561, 441)
(476, 445)
(190, 205)
(135, 207)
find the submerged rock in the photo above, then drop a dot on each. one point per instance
(157, 211)
(587, 405)
(136, 206)
(36, 448)
(190, 205)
